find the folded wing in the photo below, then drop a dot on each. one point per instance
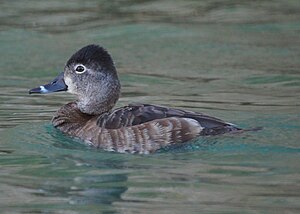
(136, 114)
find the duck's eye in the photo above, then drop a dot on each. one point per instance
(79, 69)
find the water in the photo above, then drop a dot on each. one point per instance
(237, 60)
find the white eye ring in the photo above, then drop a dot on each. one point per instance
(80, 69)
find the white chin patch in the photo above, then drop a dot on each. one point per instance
(69, 83)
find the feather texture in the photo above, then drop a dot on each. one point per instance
(135, 114)
(137, 128)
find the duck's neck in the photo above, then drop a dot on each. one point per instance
(96, 107)
(100, 101)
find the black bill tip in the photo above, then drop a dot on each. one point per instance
(39, 90)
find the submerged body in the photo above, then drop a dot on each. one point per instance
(137, 128)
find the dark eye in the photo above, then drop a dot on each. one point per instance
(80, 69)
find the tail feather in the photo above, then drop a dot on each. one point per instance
(227, 129)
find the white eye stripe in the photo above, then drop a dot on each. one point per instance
(80, 69)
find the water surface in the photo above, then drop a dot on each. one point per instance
(237, 60)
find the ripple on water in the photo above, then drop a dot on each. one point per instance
(45, 168)
(237, 60)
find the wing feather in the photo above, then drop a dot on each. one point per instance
(136, 114)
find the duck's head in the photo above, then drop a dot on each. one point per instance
(90, 74)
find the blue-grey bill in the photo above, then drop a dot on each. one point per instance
(58, 84)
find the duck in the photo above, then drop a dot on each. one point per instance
(90, 74)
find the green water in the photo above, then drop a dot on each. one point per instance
(237, 60)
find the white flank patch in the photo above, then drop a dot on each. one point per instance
(231, 124)
(194, 123)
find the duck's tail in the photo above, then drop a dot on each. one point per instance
(246, 130)
(230, 129)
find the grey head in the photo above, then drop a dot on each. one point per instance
(90, 74)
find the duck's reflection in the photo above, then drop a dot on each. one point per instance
(76, 174)
(98, 190)
(85, 182)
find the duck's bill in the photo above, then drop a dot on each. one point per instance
(58, 84)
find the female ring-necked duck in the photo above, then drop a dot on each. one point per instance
(90, 74)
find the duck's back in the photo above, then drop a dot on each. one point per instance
(136, 114)
(137, 128)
